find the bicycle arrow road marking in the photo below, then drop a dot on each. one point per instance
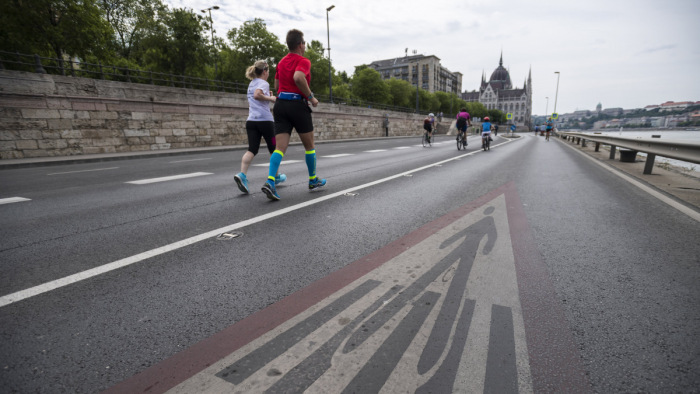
(438, 310)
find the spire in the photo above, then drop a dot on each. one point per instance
(529, 74)
(500, 62)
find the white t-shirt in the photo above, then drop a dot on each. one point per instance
(259, 111)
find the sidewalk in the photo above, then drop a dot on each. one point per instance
(677, 182)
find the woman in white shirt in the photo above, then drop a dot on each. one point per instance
(260, 123)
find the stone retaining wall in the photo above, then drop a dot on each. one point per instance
(51, 115)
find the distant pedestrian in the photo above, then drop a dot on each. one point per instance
(548, 130)
(292, 111)
(495, 129)
(260, 122)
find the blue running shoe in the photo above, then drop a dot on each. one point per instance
(316, 183)
(270, 191)
(280, 178)
(242, 182)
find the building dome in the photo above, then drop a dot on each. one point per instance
(500, 78)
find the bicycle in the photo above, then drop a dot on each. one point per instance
(461, 141)
(426, 140)
(486, 143)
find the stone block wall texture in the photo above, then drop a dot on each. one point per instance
(52, 115)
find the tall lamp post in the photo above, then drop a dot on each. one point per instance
(328, 31)
(216, 67)
(557, 93)
(546, 108)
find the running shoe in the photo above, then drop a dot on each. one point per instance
(242, 182)
(270, 191)
(316, 183)
(280, 178)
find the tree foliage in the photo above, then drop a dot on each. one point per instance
(178, 45)
(368, 85)
(54, 28)
(132, 21)
(148, 35)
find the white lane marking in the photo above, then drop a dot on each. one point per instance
(183, 161)
(284, 162)
(339, 155)
(675, 204)
(375, 151)
(403, 147)
(10, 200)
(168, 178)
(58, 283)
(75, 172)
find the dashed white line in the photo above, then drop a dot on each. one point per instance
(168, 178)
(75, 172)
(403, 147)
(375, 150)
(10, 200)
(65, 281)
(339, 155)
(183, 161)
(283, 163)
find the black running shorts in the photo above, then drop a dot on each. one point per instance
(292, 114)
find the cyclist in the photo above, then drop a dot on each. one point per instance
(463, 121)
(429, 124)
(485, 131)
(549, 128)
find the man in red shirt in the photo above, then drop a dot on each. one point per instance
(291, 111)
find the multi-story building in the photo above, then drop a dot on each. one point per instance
(499, 93)
(425, 72)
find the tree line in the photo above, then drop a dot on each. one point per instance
(150, 36)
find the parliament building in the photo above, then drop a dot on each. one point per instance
(499, 93)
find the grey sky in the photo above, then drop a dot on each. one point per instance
(621, 53)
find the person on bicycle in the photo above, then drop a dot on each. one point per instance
(485, 131)
(463, 121)
(549, 128)
(429, 124)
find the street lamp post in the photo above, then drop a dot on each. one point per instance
(557, 92)
(547, 107)
(328, 31)
(216, 67)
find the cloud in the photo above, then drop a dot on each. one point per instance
(657, 49)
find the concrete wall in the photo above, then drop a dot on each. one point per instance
(51, 115)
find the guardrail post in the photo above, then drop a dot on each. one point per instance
(72, 69)
(649, 165)
(597, 146)
(38, 67)
(583, 143)
(102, 74)
(613, 148)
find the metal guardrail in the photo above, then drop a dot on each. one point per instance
(672, 149)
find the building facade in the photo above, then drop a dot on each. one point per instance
(425, 72)
(499, 93)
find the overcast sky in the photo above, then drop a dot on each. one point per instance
(621, 53)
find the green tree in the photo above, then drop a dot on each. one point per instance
(402, 93)
(319, 67)
(131, 21)
(178, 45)
(249, 43)
(54, 28)
(368, 85)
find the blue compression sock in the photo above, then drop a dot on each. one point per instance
(311, 163)
(275, 161)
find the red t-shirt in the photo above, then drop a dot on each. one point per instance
(285, 72)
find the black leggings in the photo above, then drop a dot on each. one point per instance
(257, 130)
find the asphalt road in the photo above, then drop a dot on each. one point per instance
(622, 265)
